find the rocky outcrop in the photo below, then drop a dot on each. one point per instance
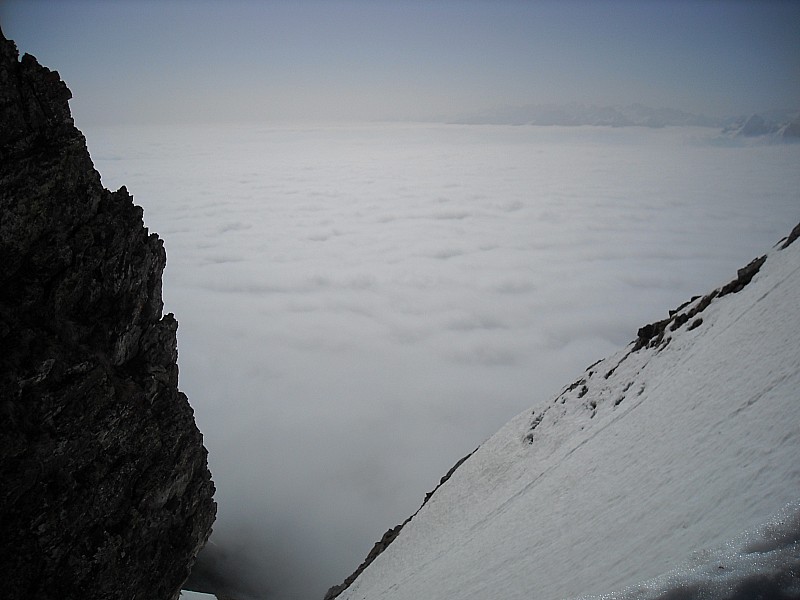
(652, 334)
(105, 488)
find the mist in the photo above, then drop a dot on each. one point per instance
(361, 306)
(363, 302)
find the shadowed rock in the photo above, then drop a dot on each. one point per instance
(105, 488)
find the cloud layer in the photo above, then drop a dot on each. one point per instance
(361, 306)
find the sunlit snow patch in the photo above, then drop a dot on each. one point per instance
(186, 595)
(761, 563)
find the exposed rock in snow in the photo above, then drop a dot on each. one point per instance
(105, 490)
(667, 470)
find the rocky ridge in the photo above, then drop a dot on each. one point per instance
(106, 491)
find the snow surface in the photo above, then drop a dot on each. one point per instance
(186, 595)
(651, 466)
(761, 563)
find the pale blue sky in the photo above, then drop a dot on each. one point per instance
(181, 60)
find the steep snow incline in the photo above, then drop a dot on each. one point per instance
(654, 454)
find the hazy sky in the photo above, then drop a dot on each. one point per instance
(199, 61)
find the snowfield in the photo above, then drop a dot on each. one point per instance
(186, 595)
(676, 464)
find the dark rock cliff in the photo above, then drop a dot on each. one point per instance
(105, 487)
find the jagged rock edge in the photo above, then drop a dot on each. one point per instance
(59, 353)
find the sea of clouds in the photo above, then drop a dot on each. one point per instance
(361, 306)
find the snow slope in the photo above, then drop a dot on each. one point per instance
(187, 595)
(677, 458)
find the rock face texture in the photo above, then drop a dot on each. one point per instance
(105, 487)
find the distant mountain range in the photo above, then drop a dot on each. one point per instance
(777, 125)
(782, 123)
